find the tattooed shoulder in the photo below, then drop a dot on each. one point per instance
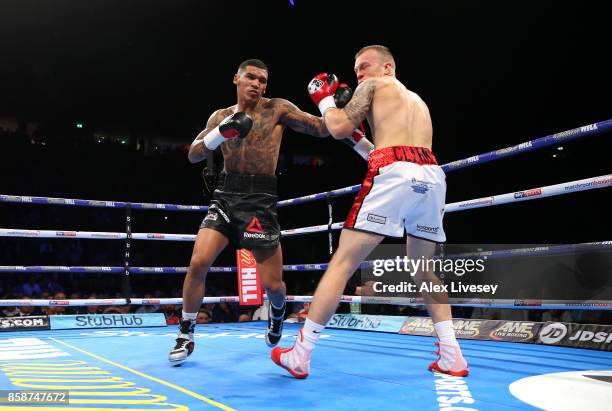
(359, 106)
(300, 121)
(280, 105)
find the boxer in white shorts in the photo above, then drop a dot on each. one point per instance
(404, 189)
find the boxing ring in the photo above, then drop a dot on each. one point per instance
(126, 368)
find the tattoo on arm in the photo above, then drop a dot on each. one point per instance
(214, 120)
(197, 151)
(302, 122)
(357, 109)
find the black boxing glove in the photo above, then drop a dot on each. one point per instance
(343, 95)
(236, 125)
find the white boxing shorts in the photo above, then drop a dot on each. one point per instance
(404, 189)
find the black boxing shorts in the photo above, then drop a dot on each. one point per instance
(243, 208)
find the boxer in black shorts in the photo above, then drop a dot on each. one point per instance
(243, 207)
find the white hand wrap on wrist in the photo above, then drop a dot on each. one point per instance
(363, 147)
(213, 139)
(326, 104)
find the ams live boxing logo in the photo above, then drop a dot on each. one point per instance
(514, 331)
(424, 326)
(477, 329)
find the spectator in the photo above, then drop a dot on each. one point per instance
(53, 285)
(27, 310)
(117, 309)
(11, 311)
(245, 313)
(93, 309)
(31, 288)
(74, 310)
(170, 311)
(262, 312)
(301, 314)
(148, 308)
(57, 309)
(203, 317)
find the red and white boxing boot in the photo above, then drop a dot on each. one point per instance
(296, 359)
(450, 360)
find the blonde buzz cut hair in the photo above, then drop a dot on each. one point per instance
(384, 52)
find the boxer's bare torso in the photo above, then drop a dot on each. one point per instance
(257, 153)
(396, 115)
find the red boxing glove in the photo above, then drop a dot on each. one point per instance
(322, 89)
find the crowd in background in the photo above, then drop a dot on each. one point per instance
(82, 167)
(50, 287)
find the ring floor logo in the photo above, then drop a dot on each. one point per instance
(575, 390)
(32, 364)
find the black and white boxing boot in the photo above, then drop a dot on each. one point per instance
(184, 343)
(274, 332)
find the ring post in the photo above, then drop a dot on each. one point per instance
(126, 286)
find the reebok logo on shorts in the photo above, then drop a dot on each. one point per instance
(254, 226)
(377, 219)
(254, 230)
(427, 229)
(261, 236)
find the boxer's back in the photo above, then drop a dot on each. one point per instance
(398, 117)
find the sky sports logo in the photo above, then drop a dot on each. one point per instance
(157, 236)
(528, 193)
(65, 233)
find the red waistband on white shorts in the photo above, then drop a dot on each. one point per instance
(388, 155)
